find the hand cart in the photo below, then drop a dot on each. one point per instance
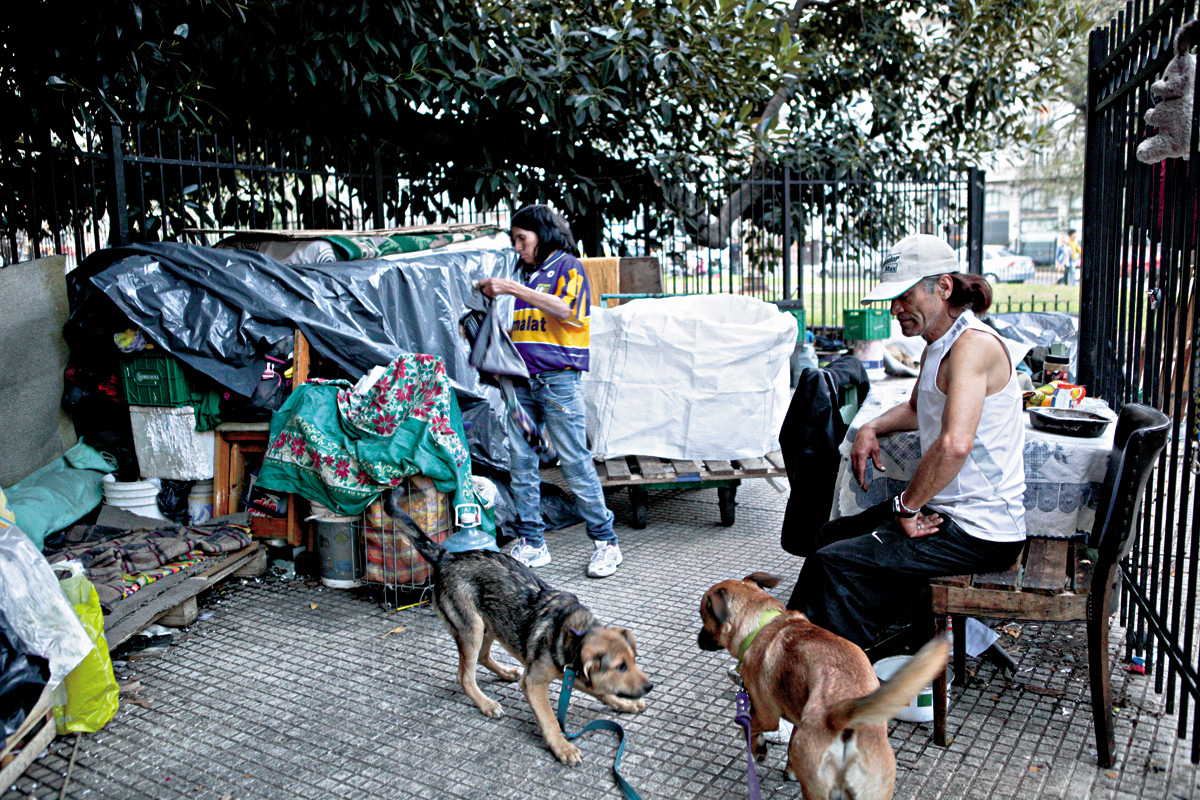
(643, 473)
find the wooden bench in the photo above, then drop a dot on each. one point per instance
(642, 473)
(1057, 580)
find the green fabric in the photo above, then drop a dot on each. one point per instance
(352, 248)
(59, 493)
(339, 448)
(207, 406)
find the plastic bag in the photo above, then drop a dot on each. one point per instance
(23, 676)
(35, 606)
(492, 350)
(92, 694)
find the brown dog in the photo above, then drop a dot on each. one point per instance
(818, 681)
(485, 597)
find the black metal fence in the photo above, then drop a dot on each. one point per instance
(1137, 329)
(817, 241)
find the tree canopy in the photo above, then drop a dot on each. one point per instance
(585, 104)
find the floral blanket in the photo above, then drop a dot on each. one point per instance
(338, 447)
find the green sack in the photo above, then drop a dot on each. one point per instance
(92, 694)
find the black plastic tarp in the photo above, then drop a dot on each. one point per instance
(219, 310)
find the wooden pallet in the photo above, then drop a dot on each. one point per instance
(640, 470)
(32, 737)
(640, 473)
(171, 600)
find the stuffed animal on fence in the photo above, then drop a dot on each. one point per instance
(1172, 115)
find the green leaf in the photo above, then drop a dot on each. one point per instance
(182, 31)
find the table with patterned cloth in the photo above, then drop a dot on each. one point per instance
(1062, 473)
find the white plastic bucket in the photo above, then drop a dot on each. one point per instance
(200, 502)
(139, 497)
(920, 708)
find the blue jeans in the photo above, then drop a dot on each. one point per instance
(554, 400)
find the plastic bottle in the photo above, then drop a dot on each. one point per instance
(469, 535)
(803, 356)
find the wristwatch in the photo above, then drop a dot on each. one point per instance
(900, 510)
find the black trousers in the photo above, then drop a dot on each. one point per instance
(867, 574)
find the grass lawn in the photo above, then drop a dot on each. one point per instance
(825, 308)
(824, 299)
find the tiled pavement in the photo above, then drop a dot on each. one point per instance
(296, 691)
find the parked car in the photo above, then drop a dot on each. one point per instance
(1042, 247)
(1001, 265)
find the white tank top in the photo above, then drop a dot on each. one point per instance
(987, 498)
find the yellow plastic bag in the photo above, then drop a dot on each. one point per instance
(92, 694)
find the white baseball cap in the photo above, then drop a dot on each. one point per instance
(914, 257)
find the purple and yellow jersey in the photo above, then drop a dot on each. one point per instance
(547, 343)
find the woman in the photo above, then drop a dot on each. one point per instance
(550, 328)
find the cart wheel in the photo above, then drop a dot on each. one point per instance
(727, 501)
(639, 502)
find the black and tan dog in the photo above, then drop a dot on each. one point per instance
(485, 596)
(821, 683)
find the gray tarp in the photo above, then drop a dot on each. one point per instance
(220, 310)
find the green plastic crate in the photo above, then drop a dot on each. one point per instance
(155, 378)
(801, 328)
(865, 324)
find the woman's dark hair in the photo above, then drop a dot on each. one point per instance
(971, 291)
(552, 231)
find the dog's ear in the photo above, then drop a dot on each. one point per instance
(764, 579)
(627, 635)
(717, 605)
(595, 662)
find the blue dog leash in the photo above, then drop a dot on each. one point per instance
(742, 717)
(564, 697)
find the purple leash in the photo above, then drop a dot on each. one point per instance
(742, 717)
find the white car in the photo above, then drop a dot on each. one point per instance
(1001, 265)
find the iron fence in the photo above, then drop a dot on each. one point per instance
(1137, 326)
(814, 240)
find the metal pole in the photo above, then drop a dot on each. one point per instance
(378, 166)
(1093, 236)
(976, 193)
(787, 232)
(119, 210)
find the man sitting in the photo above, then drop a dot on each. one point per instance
(963, 511)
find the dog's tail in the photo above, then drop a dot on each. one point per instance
(430, 550)
(896, 692)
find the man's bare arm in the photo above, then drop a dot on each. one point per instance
(966, 369)
(866, 441)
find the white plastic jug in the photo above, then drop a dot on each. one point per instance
(200, 502)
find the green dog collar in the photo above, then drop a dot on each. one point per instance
(763, 619)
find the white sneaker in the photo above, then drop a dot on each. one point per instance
(529, 555)
(605, 560)
(782, 735)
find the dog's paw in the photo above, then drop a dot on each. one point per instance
(760, 748)
(510, 674)
(788, 775)
(491, 708)
(566, 752)
(626, 706)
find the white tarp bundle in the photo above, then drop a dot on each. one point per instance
(703, 377)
